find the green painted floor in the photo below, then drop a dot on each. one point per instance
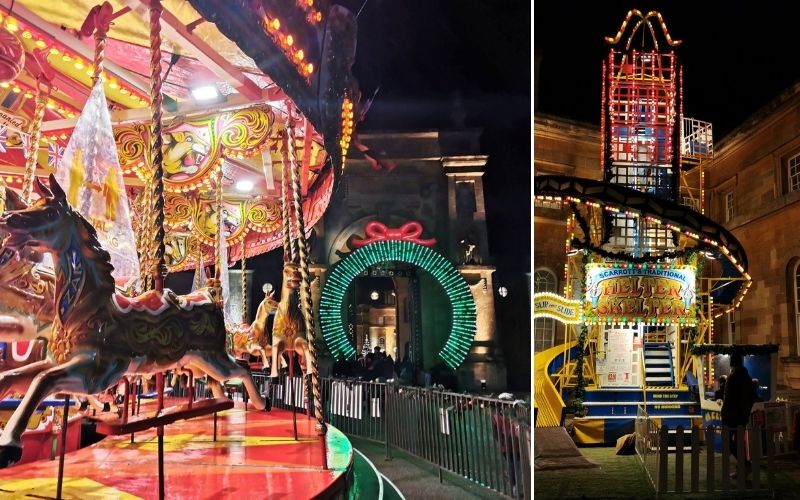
(366, 484)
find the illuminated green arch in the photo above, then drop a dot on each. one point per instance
(345, 271)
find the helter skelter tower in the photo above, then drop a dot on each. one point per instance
(649, 271)
(638, 341)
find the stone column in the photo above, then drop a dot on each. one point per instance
(485, 359)
(467, 222)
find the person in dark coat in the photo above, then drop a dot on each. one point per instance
(739, 398)
(720, 393)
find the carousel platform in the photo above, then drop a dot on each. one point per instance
(255, 456)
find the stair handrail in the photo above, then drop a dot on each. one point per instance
(672, 363)
(643, 374)
(546, 399)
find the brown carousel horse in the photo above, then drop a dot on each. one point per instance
(288, 330)
(101, 336)
(252, 339)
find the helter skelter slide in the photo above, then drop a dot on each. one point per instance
(646, 272)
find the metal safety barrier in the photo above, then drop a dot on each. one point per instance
(483, 439)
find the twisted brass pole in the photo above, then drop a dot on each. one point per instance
(200, 264)
(219, 235)
(2, 195)
(159, 264)
(145, 244)
(99, 55)
(288, 249)
(305, 289)
(35, 136)
(244, 283)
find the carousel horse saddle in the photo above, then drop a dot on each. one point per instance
(155, 302)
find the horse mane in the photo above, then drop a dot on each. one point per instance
(294, 313)
(102, 258)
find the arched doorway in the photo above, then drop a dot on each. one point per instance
(342, 274)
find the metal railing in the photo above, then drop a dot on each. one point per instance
(482, 439)
(546, 396)
(647, 443)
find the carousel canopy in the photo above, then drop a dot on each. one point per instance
(236, 74)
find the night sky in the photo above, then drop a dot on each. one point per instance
(422, 53)
(737, 55)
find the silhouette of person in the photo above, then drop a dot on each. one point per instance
(740, 394)
(719, 394)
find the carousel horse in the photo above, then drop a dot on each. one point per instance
(252, 339)
(25, 290)
(100, 336)
(26, 307)
(27, 311)
(288, 330)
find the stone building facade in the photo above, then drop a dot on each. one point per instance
(562, 147)
(753, 187)
(436, 179)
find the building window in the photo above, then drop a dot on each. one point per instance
(728, 206)
(794, 172)
(797, 303)
(544, 329)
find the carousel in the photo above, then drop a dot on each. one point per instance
(145, 137)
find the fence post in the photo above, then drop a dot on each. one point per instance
(771, 459)
(741, 456)
(386, 407)
(726, 458)
(695, 486)
(679, 459)
(755, 455)
(663, 457)
(710, 435)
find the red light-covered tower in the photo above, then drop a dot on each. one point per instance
(640, 125)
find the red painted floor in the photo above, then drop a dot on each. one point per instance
(255, 456)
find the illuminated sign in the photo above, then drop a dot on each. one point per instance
(550, 305)
(640, 295)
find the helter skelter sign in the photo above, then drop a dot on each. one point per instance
(647, 293)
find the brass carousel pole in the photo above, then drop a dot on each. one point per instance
(42, 94)
(289, 255)
(220, 237)
(200, 264)
(159, 267)
(305, 289)
(288, 247)
(244, 283)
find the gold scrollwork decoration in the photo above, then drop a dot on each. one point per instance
(265, 215)
(246, 129)
(178, 209)
(131, 146)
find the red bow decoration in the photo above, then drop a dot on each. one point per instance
(376, 231)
